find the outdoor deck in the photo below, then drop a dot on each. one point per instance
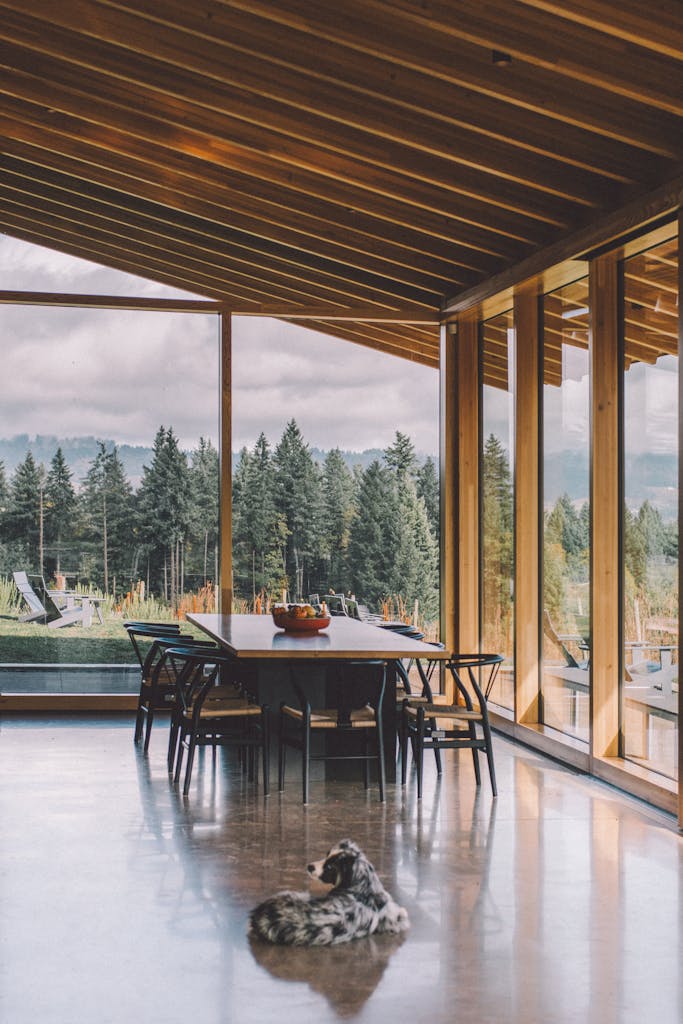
(561, 901)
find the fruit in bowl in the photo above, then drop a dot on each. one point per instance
(299, 618)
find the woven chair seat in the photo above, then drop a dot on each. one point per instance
(325, 718)
(225, 708)
(444, 711)
(166, 677)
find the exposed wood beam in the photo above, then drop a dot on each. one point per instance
(402, 316)
(606, 230)
(273, 50)
(579, 52)
(31, 298)
(647, 25)
(419, 42)
(283, 103)
(111, 116)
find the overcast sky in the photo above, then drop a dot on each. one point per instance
(120, 375)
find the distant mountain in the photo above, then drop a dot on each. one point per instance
(80, 451)
(648, 477)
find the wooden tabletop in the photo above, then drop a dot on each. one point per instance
(257, 636)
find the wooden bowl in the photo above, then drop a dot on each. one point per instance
(295, 624)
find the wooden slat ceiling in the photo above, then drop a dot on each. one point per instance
(362, 158)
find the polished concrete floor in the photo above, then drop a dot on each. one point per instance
(120, 901)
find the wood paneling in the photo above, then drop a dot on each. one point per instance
(225, 452)
(680, 514)
(527, 526)
(605, 508)
(467, 376)
(271, 154)
(448, 481)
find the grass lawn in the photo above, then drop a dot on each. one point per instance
(108, 643)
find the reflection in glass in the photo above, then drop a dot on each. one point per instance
(497, 501)
(650, 560)
(566, 533)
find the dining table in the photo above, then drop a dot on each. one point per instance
(266, 656)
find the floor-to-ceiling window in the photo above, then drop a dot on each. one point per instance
(497, 500)
(108, 470)
(566, 519)
(650, 508)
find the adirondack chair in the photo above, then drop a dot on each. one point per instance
(42, 607)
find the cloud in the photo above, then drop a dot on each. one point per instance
(121, 374)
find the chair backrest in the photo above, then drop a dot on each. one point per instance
(28, 593)
(149, 631)
(197, 669)
(33, 590)
(336, 604)
(475, 672)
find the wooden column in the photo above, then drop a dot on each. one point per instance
(680, 514)
(527, 503)
(225, 452)
(448, 481)
(605, 508)
(467, 392)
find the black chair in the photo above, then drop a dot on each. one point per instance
(157, 675)
(213, 710)
(452, 726)
(354, 696)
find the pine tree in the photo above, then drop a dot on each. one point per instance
(23, 517)
(338, 493)
(4, 499)
(427, 483)
(497, 515)
(259, 527)
(415, 569)
(400, 456)
(164, 511)
(60, 503)
(108, 515)
(374, 535)
(204, 485)
(298, 494)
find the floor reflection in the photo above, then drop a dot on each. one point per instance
(560, 901)
(345, 975)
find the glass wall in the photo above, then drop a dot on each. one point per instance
(108, 487)
(497, 499)
(565, 676)
(650, 510)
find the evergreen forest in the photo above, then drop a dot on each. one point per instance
(298, 524)
(650, 553)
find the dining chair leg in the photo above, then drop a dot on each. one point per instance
(366, 763)
(265, 739)
(419, 745)
(172, 743)
(179, 758)
(148, 728)
(475, 754)
(380, 758)
(138, 724)
(489, 755)
(437, 752)
(404, 746)
(190, 762)
(282, 752)
(306, 760)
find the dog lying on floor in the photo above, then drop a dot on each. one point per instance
(358, 905)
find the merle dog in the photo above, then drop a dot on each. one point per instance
(358, 905)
